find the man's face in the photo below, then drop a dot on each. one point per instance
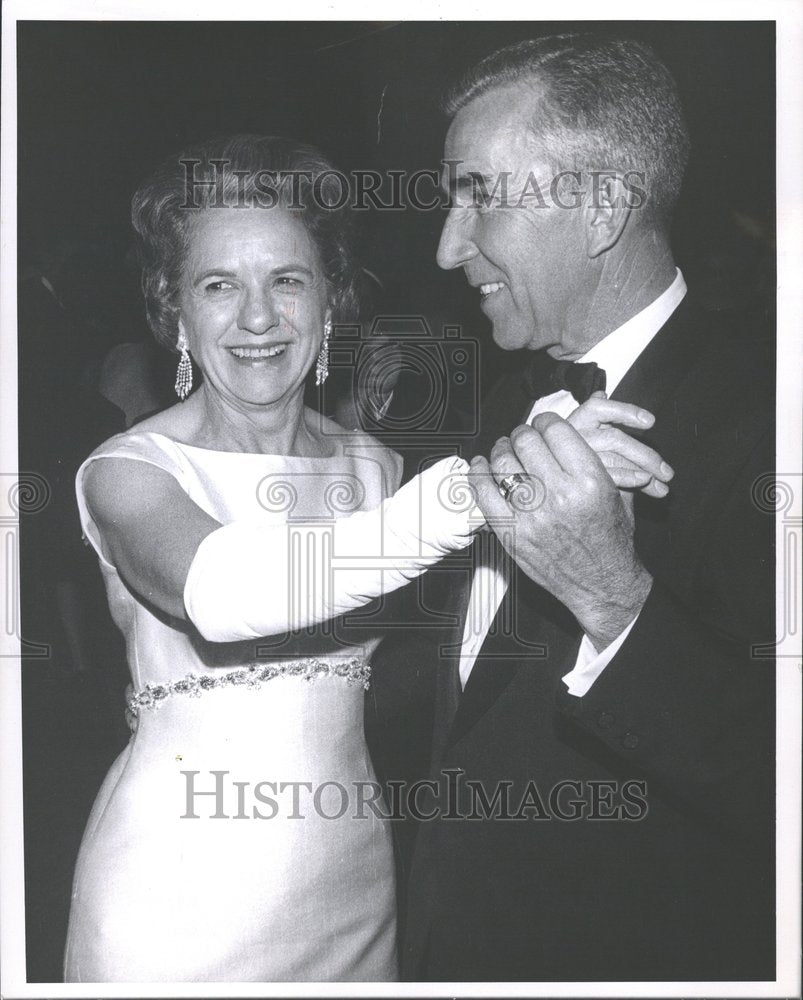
(527, 258)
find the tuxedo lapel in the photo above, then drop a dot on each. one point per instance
(507, 405)
(459, 566)
(457, 710)
(500, 656)
(532, 631)
(489, 678)
(654, 378)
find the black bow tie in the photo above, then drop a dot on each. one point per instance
(545, 376)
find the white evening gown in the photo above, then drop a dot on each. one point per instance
(302, 895)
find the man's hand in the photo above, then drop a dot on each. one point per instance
(571, 531)
(630, 463)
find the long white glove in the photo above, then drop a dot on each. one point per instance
(248, 580)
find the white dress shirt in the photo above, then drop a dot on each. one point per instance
(616, 353)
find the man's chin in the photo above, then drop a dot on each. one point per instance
(509, 339)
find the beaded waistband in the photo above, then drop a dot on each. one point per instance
(355, 670)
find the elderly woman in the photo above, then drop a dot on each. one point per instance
(239, 836)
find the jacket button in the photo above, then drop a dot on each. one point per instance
(630, 741)
(605, 720)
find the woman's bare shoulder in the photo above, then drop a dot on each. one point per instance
(174, 422)
(142, 465)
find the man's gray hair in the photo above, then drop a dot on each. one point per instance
(603, 103)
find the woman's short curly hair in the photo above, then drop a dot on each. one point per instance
(260, 172)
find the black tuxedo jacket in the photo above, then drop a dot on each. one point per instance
(627, 834)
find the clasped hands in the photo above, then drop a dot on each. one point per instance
(571, 530)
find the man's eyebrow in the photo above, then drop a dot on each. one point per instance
(468, 182)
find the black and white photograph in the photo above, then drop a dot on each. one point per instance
(402, 501)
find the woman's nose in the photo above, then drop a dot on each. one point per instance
(456, 245)
(257, 313)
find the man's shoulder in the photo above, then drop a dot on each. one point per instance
(739, 338)
(734, 356)
(723, 392)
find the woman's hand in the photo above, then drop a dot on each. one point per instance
(630, 463)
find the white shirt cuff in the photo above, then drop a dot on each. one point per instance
(590, 663)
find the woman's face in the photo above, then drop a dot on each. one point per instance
(252, 302)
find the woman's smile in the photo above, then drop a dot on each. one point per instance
(258, 354)
(260, 357)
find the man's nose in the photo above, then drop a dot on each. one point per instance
(257, 312)
(456, 246)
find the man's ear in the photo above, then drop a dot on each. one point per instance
(607, 211)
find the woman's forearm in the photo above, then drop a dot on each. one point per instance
(248, 580)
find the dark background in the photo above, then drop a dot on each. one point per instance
(99, 105)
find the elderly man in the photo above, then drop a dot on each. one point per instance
(603, 733)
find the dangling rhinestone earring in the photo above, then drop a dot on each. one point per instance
(322, 364)
(184, 372)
